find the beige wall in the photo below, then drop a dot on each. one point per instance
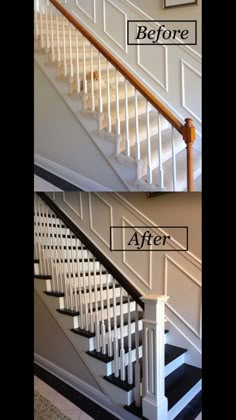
(51, 343)
(173, 209)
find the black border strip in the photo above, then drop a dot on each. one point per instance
(122, 280)
(151, 227)
(160, 20)
(54, 179)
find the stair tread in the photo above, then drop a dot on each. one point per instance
(42, 276)
(54, 294)
(68, 312)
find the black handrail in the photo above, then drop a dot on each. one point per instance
(122, 280)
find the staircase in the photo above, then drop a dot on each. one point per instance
(107, 321)
(145, 144)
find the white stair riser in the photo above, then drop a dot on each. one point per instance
(175, 410)
(36, 268)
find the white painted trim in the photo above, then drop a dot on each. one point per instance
(183, 334)
(76, 383)
(144, 15)
(123, 48)
(80, 215)
(165, 84)
(187, 254)
(91, 217)
(68, 175)
(184, 63)
(93, 18)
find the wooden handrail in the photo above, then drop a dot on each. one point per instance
(122, 280)
(122, 69)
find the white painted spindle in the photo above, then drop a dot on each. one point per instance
(127, 120)
(86, 319)
(130, 364)
(47, 29)
(108, 98)
(85, 88)
(92, 79)
(64, 47)
(77, 63)
(58, 40)
(64, 254)
(160, 167)
(108, 318)
(76, 281)
(80, 281)
(41, 28)
(137, 140)
(59, 255)
(137, 363)
(149, 159)
(71, 53)
(90, 294)
(103, 329)
(173, 159)
(52, 38)
(122, 350)
(100, 104)
(116, 352)
(117, 105)
(53, 250)
(98, 348)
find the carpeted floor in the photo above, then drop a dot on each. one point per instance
(44, 410)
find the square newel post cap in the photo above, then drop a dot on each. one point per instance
(154, 298)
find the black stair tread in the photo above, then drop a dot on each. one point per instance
(192, 409)
(61, 260)
(42, 276)
(86, 273)
(179, 382)
(125, 300)
(104, 287)
(68, 312)
(54, 294)
(84, 333)
(64, 247)
(137, 411)
(125, 319)
(36, 261)
(119, 383)
(172, 352)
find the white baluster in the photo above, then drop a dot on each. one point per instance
(68, 276)
(52, 39)
(58, 41)
(47, 29)
(85, 88)
(53, 251)
(116, 352)
(79, 284)
(41, 28)
(75, 282)
(149, 153)
(137, 139)
(49, 244)
(103, 329)
(85, 291)
(77, 63)
(100, 104)
(173, 159)
(108, 318)
(64, 253)
(130, 364)
(59, 255)
(36, 23)
(122, 350)
(92, 79)
(160, 168)
(108, 99)
(98, 348)
(137, 363)
(90, 295)
(71, 53)
(117, 105)
(154, 401)
(64, 47)
(127, 119)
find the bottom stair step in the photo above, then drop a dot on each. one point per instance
(177, 384)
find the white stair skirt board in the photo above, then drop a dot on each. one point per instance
(133, 173)
(76, 383)
(41, 185)
(79, 181)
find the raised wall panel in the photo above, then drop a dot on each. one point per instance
(191, 90)
(184, 291)
(144, 272)
(74, 202)
(88, 7)
(115, 24)
(101, 217)
(157, 67)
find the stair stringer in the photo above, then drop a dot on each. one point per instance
(110, 392)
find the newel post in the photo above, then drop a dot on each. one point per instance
(155, 404)
(189, 136)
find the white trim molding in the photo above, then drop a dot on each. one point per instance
(183, 65)
(80, 215)
(91, 216)
(124, 47)
(93, 18)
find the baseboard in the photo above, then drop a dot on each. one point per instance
(76, 383)
(68, 175)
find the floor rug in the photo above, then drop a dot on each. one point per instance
(45, 410)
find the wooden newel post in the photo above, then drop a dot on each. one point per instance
(155, 404)
(189, 136)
